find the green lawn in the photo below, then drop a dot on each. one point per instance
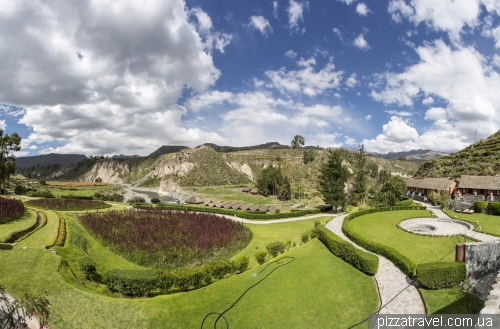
(489, 223)
(289, 297)
(381, 228)
(231, 195)
(448, 301)
(59, 191)
(23, 223)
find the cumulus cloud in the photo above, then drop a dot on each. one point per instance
(428, 100)
(261, 24)
(362, 9)
(435, 113)
(351, 81)
(361, 43)
(347, 1)
(291, 54)
(368, 117)
(399, 113)
(73, 67)
(275, 9)
(295, 11)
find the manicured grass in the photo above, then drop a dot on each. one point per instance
(78, 188)
(231, 195)
(381, 228)
(264, 234)
(448, 301)
(21, 224)
(333, 295)
(67, 204)
(489, 223)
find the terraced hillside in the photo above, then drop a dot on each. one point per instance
(481, 158)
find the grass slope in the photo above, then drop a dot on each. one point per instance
(447, 301)
(489, 224)
(289, 297)
(381, 228)
(23, 223)
(480, 158)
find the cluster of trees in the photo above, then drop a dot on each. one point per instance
(8, 145)
(309, 154)
(272, 182)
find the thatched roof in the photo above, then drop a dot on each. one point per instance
(254, 208)
(263, 208)
(211, 205)
(431, 183)
(235, 206)
(194, 199)
(208, 202)
(272, 209)
(246, 189)
(227, 205)
(245, 206)
(480, 182)
(218, 205)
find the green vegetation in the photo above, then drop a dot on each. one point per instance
(272, 182)
(450, 301)
(495, 208)
(332, 179)
(391, 191)
(481, 158)
(8, 145)
(440, 275)
(360, 179)
(480, 206)
(67, 204)
(297, 142)
(26, 221)
(309, 156)
(489, 224)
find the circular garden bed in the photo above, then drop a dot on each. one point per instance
(67, 204)
(168, 239)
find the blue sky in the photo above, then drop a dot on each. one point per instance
(127, 77)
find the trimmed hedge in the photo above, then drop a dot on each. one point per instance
(479, 206)
(61, 236)
(43, 216)
(5, 246)
(406, 202)
(131, 282)
(76, 197)
(238, 213)
(495, 208)
(361, 260)
(441, 275)
(392, 254)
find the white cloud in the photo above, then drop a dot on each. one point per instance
(445, 15)
(347, 1)
(73, 67)
(305, 80)
(351, 81)
(397, 130)
(361, 43)
(261, 24)
(291, 54)
(368, 117)
(295, 13)
(435, 113)
(338, 33)
(493, 33)
(306, 62)
(399, 113)
(362, 9)
(496, 61)
(349, 140)
(428, 100)
(3, 125)
(275, 9)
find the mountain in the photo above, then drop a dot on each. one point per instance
(121, 156)
(481, 158)
(413, 155)
(166, 149)
(48, 160)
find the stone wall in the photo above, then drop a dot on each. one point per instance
(482, 258)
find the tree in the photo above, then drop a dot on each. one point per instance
(298, 142)
(8, 145)
(309, 156)
(272, 182)
(332, 179)
(360, 178)
(392, 191)
(402, 158)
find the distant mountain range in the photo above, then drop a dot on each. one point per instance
(49, 159)
(413, 155)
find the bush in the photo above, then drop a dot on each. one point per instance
(275, 248)
(87, 265)
(305, 238)
(440, 275)
(155, 200)
(495, 208)
(5, 246)
(40, 193)
(277, 211)
(184, 278)
(240, 264)
(219, 269)
(479, 206)
(137, 199)
(261, 256)
(19, 189)
(10, 209)
(42, 181)
(131, 282)
(363, 261)
(406, 202)
(61, 237)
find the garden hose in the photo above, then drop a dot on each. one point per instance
(221, 315)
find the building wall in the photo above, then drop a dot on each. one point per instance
(482, 258)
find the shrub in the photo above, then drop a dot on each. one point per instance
(363, 261)
(277, 211)
(219, 269)
(43, 221)
(10, 209)
(406, 202)
(184, 278)
(312, 235)
(155, 200)
(5, 246)
(479, 206)
(137, 199)
(261, 256)
(66, 204)
(495, 208)
(42, 181)
(240, 264)
(440, 275)
(19, 189)
(164, 281)
(275, 248)
(87, 266)
(305, 238)
(131, 282)
(61, 236)
(40, 193)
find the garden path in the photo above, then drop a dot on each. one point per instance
(397, 293)
(472, 234)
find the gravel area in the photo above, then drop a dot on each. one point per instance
(484, 284)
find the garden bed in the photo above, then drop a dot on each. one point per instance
(67, 204)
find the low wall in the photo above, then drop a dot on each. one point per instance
(482, 258)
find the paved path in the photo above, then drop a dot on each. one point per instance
(390, 280)
(472, 234)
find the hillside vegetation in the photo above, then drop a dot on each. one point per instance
(481, 158)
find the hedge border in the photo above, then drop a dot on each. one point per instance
(44, 220)
(441, 275)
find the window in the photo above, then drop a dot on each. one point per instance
(463, 191)
(470, 191)
(481, 191)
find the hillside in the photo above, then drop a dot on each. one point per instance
(48, 160)
(413, 155)
(481, 158)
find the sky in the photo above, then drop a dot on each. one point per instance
(110, 77)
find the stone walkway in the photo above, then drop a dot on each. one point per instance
(394, 285)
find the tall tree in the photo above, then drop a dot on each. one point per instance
(360, 178)
(8, 145)
(272, 182)
(332, 178)
(392, 191)
(297, 142)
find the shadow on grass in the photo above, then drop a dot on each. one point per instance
(468, 304)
